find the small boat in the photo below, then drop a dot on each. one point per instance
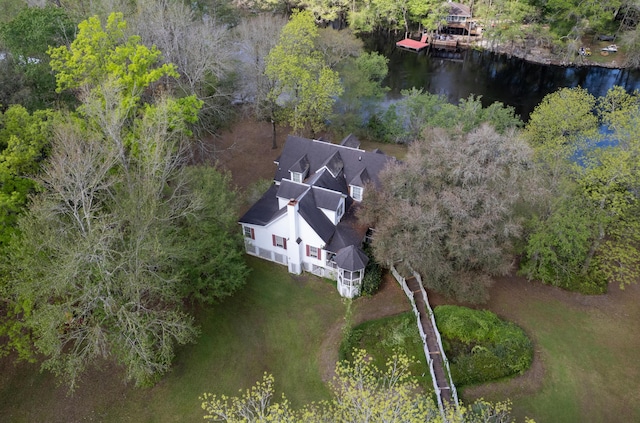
(612, 48)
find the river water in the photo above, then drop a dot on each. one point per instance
(511, 81)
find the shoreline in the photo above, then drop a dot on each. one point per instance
(547, 59)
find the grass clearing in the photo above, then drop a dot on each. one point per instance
(587, 350)
(275, 324)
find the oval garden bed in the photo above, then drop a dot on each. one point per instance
(480, 346)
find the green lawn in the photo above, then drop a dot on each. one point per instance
(275, 324)
(588, 351)
(587, 346)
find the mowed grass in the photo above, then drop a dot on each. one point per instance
(589, 352)
(275, 325)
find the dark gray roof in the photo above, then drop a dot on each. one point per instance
(318, 221)
(291, 190)
(265, 209)
(301, 166)
(325, 199)
(361, 179)
(325, 180)
(318, 153)
(351, 258)
(344, 236)
(334, 163)
(350, 141)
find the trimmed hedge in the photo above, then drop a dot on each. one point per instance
(480, 346)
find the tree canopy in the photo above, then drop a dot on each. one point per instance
(361, 393)
(585, 235)
(104, 259)
(304, 85)
(453, 201)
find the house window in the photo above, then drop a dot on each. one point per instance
(356, 192)
(314, 252)
(351, 276)
(340, 211)
(296, 177)
(248, 232)
(279, 241)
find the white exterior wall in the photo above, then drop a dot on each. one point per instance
(262, 246)
(331, 214)
(295, 256)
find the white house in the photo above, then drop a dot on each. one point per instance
(306, 219)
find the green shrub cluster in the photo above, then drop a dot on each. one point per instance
(480, 346)
(372, 274)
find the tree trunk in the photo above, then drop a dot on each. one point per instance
(274, 144)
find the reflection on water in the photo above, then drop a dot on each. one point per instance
(494, 77)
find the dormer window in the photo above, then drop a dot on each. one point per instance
(340, 210)
(356, 192)
(296, 177)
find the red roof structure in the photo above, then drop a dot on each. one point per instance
(413, 45)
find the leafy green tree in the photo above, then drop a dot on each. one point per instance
(304, 85)
(27, 38)
(24, 140)
(363, 91)
(584, 235)
(454, 204)
(99, 55)
(418, 110)
(102, 264)
(214, 267)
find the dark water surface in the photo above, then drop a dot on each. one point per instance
(511, 81)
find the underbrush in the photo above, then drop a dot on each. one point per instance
(480, 346)
(382, 338)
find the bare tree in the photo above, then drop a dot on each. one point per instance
(200, 48)
(256, 37)
(448, 210)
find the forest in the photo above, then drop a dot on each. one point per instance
(118, 227)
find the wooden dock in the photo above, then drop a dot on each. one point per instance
(414, 45)
(437, 42)
(444, 43)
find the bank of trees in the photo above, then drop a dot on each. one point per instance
(585, 233)
(121, 231)
(448, 210)
(476, 192)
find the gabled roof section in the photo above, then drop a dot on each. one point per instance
(301, 166)
(319, 153)
(324, 179)
(344, 236)
(458, 9)
(361, 179)
(288, 190)
(350, 141)
(334, 164)
(318, 221)
(326, 199)
(265, 209)
(351, 258)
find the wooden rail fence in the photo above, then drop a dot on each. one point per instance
(436, 359)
